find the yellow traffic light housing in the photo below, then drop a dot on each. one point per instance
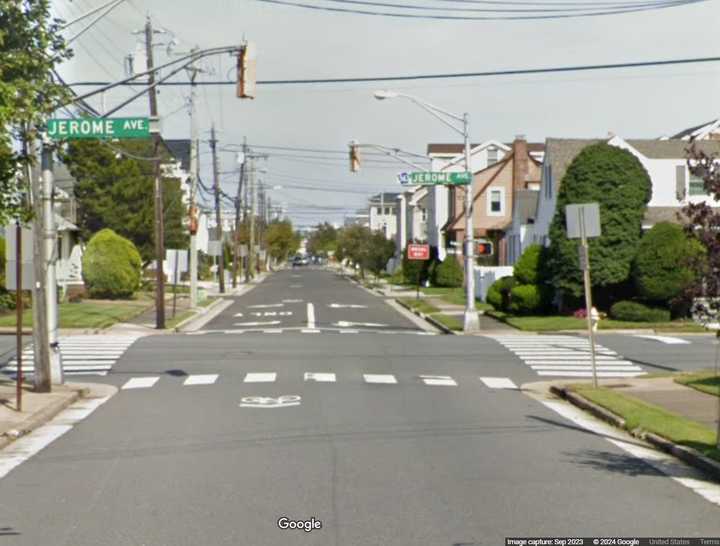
(246, 62)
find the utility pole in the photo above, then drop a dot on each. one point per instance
(218, 218)
(471, 321)
(193, 190)
(41, 344)
(251, 242)
(159, 222)
(238, 204)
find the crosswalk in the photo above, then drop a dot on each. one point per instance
(567, 356)
(147, 382)
(305, 330)
(81, 355)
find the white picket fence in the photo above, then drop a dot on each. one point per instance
(485, 276)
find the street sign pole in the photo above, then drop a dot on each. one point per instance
(18, 314)
(585, 266)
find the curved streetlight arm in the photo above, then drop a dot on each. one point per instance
(437, 112)
(395, 154)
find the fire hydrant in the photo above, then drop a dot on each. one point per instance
(594, 318)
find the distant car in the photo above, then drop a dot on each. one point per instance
(299, 260)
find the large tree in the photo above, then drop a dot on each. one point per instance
(115, 190)
(323, 239)
(369, 250)
(616, 180)
(281, 240)
(31, 47)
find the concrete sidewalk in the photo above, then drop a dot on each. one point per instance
(453, 309)
(38, 408)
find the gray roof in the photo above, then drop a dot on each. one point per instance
(62, 178)
(691, 130)
(525, 203)
(672, 149)
(388, 198)
(560, 152)
(179, 148)
(654, 215)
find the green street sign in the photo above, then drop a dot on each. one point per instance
(434, 179)
(98, 128)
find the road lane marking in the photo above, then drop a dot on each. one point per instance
(310, 331)
(238, 315)
(296, 286)
(266, 305)
(587, 367)
(140, 382)
(348, 331)
(269, 402)
(273, 331)
(260, 377)
(498, 383)
(310, 316)
(439, 380)
(347, 306)
(346, 324)
(320, 377)
(201, 379)
(666, 464)
(25, 447)
(266, 323)
(589, 374)
(667, 339)
(379, 378)
(292, 301)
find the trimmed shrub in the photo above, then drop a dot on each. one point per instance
(527, 267)
(498, 294)
(525, 299)
(111, 266)
(449, 273)
(632, 311)
(663, 265)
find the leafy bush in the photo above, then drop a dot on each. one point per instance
(449, 273)
(527, 267)
(663, 265)
(525, 299)
(111, 266)
(632, 311)
(498, 294)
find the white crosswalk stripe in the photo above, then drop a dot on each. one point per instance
(567, 356)
(379, 378)
(201, 379)
(498, 382)
(305, 330)
(260, 377)
(81, 355)
(438, 380)
(140, 383)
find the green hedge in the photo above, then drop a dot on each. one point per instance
(449, 273)
(525, 299)
(527, 267)
(632, 311)
(498, 294)
(111, 266)
(663, 267)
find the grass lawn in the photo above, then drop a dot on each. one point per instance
(88, 313)
(420, 305)
(706, 381)
(172, 322)
(654, 419)
(448, 320)
(555, 322)
(454, 295)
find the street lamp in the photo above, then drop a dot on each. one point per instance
(460, 124)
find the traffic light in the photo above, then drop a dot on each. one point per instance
(484, 249)
(246, 71)
(354, 157)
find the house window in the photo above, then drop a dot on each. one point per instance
(496, 202)
(379, 210)
(388, 211)
(492, 156)
(423, 214)
(696, 185)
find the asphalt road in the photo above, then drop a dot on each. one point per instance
(392, 464)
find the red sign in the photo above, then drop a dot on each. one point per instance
(418, 252)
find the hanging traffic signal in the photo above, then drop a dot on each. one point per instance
(246, 71)
(354, 157)
(484, 248)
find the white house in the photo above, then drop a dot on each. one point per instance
(673, 187)
(382, 210)
(705, 131)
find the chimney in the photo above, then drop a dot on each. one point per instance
(520, 162)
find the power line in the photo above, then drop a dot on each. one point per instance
(355, 11)
(449, 75)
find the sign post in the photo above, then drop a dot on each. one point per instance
(583, 221)
(419, 253)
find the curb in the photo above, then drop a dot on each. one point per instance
(686, 454)
(44, 415)
(203, 316)
(427, 318)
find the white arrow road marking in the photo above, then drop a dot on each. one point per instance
(347, 306)
(140, 383)
(668, 340)
(264, 306)
(379, 378)
(310, 316)
(345, 324)
(439, 380)
(238, 315)
(203, 379)
(320, 377)
(269, 402)
(260, 377)
(498, 382)
(269, 323)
